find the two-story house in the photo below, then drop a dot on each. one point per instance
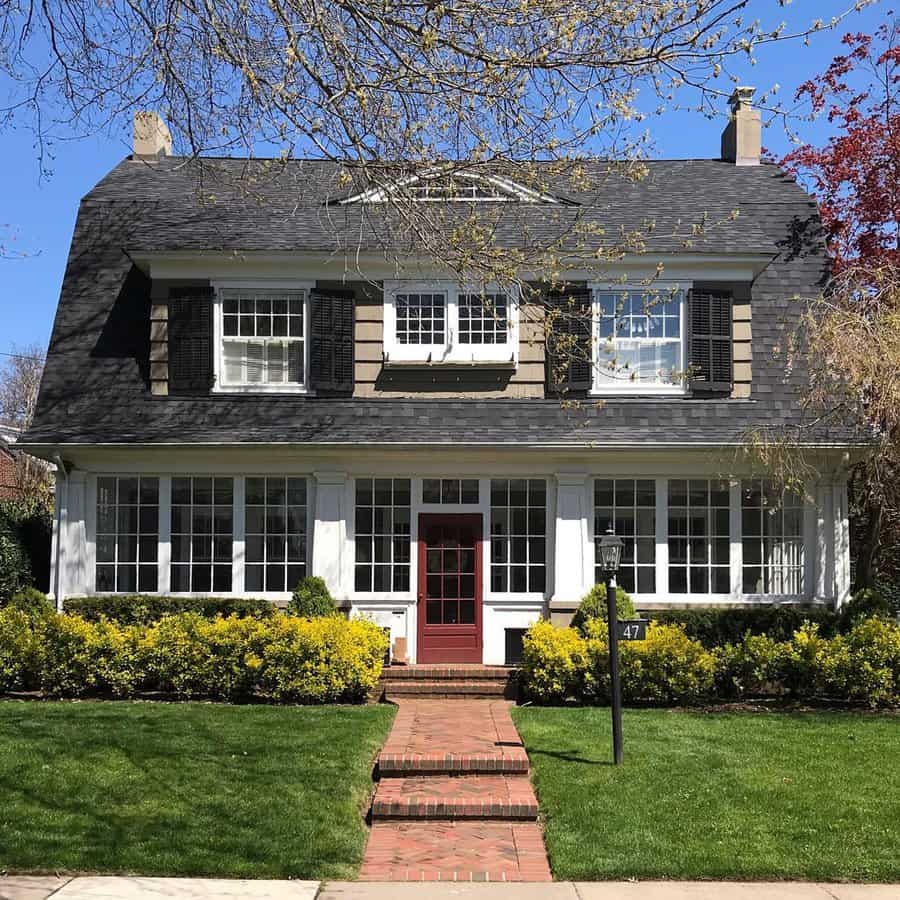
(235, 400)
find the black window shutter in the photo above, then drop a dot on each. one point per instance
(568, 348)
(711, 340)
(190, 340)
(331, 353)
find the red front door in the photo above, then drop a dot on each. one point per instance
(449, 588)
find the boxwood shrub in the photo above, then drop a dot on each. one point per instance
(715, 627)
(145, 609)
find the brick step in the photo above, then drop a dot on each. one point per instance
(460, 672)
(508, 761)
(455, 797)
(415, 688)
(455, 851)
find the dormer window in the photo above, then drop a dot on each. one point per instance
(449, 187)
(261, 337)
(442, 322)
(639, 339)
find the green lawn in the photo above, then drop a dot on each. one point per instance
(704, 795)
(186, 789)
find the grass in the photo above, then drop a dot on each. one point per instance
(718, 795)
(186, 789)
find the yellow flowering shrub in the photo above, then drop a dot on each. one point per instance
(553, 663)
(74, 657)
(756, 665)
(323, 660)
(17, 646)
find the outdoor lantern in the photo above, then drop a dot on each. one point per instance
(610, 552)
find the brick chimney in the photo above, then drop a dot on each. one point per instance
(151, 135)
(742, 137)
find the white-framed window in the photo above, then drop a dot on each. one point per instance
(275, 532)
(699, 536)
(202, 533)
(518, 535)
(772, 539)
(639, 339)
(628, 505)
(127, 534)
(261, 337)
(448, 186)
(444, 322)
(382, 519)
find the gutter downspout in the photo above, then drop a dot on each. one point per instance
(60, 467)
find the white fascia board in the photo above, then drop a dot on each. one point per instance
(327, 264)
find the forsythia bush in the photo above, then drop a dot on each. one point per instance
(862, 666)
(187, 655)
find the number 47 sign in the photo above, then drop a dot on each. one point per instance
(632, 629)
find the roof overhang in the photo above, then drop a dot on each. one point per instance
(211, 264)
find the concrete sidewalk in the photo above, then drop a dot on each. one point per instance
(37, 887)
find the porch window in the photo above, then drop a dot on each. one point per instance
(629, 506)
(275, 533)
(443, 322)
(202, 533)
(639, 340)
(449, 490)
(772, 538)
(699, 537)
(262, 339)
(518, 535)
(382, 534)
(127, 534)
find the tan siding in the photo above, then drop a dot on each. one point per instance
(743, 347)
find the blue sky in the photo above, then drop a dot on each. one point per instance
(39, 211)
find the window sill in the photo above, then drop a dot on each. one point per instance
(289, 389)
(640, 391)
(504, 362)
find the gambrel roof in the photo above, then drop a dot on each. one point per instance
(95, 387)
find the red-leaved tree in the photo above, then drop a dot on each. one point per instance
(855, 176)
(851, 337)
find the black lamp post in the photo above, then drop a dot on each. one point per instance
(610, 555)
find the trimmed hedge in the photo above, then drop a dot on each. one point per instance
(145, 609)
(863, 666)
(593, 606)
(280, 658)
(26, 528)
(717, 627)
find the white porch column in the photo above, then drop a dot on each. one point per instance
(330, 530)
(822, 589)
(572, 560)
(841, 546)
(58, 542)
(74, 564)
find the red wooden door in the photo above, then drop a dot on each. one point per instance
(449, 588)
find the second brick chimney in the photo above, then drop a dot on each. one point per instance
(742, 137)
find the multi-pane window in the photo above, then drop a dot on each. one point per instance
(202, 531)
(421, 318)
(382, 534)
(772, 539)
(518, 535)
(275, 533)
(483, 318)
(127, 534)
(449, 490)
(699, 537)
(639, 339)
(628, 505)
(263, 337)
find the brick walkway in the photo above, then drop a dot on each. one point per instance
(454, 802)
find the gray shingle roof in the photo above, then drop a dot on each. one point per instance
(95, 386)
